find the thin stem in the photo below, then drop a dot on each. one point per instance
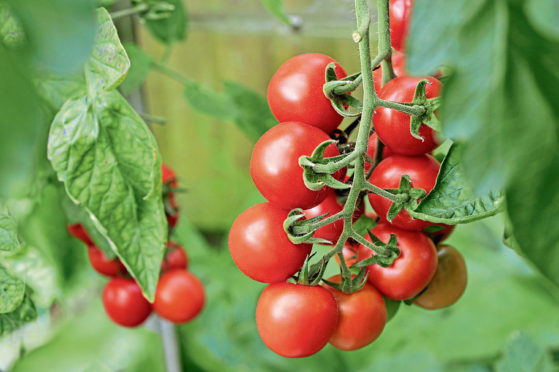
(130, 11)
(416, 110)
(384, 47)
(181, 78)
(153, 118)
(167, 53)
(170, 345)
(298, 230)
(398, 198)
(361, 240)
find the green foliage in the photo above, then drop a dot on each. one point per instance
(140, 66)
(23, 313)
(500, 100)
(522, 354)
(276, 8)
(171, 28)
(12, 291)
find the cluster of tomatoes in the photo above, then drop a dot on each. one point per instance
(296, 319)
(179, 296)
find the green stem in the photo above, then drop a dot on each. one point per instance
(162, 68)
(398, 198)
(384, 47)
(140, 8)
(416, 110)
(304, 229)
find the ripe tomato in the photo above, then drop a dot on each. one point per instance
(362, 317)
(449, 282)
(170, 182)
(78, 231)
(442, 235)
(260, 247)
(400, 15)
(103, 265)
(331, 206)
(398, 65)
(422, 170)
(349, 252)
(372, 147)
(175, 258)
(124, 303)
(168, 176)
(295, 92)
(179, 296)
(410, 273)
(393, 127)
(274, 165)
(296, 320)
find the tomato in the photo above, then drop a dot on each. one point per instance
(398, 65)
(410, 273)
(442, 235)
(274, 165)
(175, 258)
(372, 148)
(296, 320)
(171, 209)
(400, 15)
(349, 252)
(260, 247)
(331, 206)
(449, 282)
(179, 296)
(124, 303)
(393, 127)
(295, 92)
(78, 231)
(362, 317)
(422, 170)
(103, 265)
(168, 176)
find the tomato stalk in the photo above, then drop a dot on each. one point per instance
(140, 8)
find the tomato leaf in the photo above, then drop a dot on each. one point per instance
(109, 162)
(12, 291)
(451, 201)
(25, 312)
(9, 241)
(140, 67)
(208, 101)
(171, 28)
(522, 354)
(276, 8)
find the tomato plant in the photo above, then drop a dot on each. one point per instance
(124, 302)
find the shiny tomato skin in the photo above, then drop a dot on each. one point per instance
(274, 165)
(400, 15)
(398, 65)
(168, 176)
(331, 206)
(422, 170)
(175, 258)
(295, 320)
(103, 265)
(260, 247)
(124, 303)
(372, 148)
(411, 272)
(179, 296)
(449, 282)
(350, 253)
(362, 317)
(78, 231)
(295, 92)
(393, 127)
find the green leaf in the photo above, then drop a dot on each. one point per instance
(140, 66)
(172, 28)
(12, 291)
(543, 14)
(364, 224)
(11, 30)
(56, 89)
(24, 313)
(276, 8)
(109, 62)
(9, 241)
(209, 102)
(109, 162)
(522, 354)
(452, 201)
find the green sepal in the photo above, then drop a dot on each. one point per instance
(340, 102)
(410, 202)
(294, 218)
(316, 181)
(391, 252)
(352, 284)
(311, 274)
(428, 118)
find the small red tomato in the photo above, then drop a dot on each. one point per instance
(400, 15)
(260, 247)
(422, 170)
(274, 165)
(78, 231)
(294, 320)
(168, 176)
(331, 206)
(398, 65)
(362, 317)
(442, 235)
(124, 303)
(393, 126)
(103, 265)
(179, 296)
(170, 183)
(372, 148)
(349, 252)
(175, 258)
(411, 272)
(295, 92)
(449, 282)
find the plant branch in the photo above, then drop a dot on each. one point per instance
(140, 8)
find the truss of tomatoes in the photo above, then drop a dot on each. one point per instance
(296, 320)
(179, 296)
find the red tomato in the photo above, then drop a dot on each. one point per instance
(349, 252)
(362, 317)
(398, 65)
(449, 282)
(171, 207)
(372, 148)
(296, 320)
(179, 296)
(260, 247)
(393, 127)
(275, 169)
(124, 303)
(411, 271)
(422, 170)
(103, 265)
(442, 235)
(78, 231)
(175, 258)
(400, 15)
(168, 176)
(331, 206)
(295, 92)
